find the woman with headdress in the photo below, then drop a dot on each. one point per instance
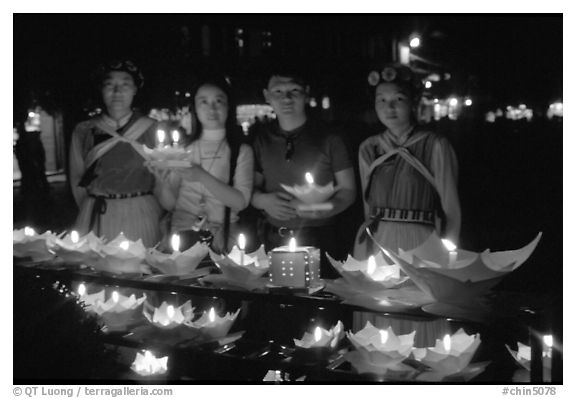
(408, 174)
(112, 187)
(205, 197)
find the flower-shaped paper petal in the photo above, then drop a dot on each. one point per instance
(455, 359)
(373, 78)
(167, 156)
(177, 263)
(311, 193)
(35, 246)
(522, 356)
(396, 371)
(328, 338)
(215, 329)
(162, 317)
(255, 264)
(355, 273)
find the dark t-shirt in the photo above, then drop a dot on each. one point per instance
(315, 150)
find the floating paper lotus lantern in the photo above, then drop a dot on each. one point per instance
(122, 256)
(177, 263)
(240, 266)
(146, 364)
(378, 351)
(167, 156)
(27, 243)
(167, 316)
(311, 193)
(370, 275)
(75, 249)
(322, 337)
(211, 325)
(524, 355)
(468, 275)
(450, 355)
(118, 311)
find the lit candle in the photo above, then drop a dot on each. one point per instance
(74, 237)
(447, 343)
(125, 245)
(309, 178)
(452, 253)
(317, 334)
(29, 231)
(170, 314)
(383, 336)
(161, 134)
(175, 242)
(211, 315)
(292, 245)
(81, 289)
(115, 297)
(175, 137)
(242, 247)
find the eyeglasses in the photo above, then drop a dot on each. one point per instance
(295, 93)
(289, 149)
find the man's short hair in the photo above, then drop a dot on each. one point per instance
(286, 69)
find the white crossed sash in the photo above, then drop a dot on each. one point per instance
(130, 136)
(392, 149)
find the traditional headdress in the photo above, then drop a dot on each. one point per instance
(121, 66)
(395, 73)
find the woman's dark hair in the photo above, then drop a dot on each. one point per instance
(401, 75)
(233, 133)
(122, 65)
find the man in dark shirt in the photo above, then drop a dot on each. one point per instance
(284, 153)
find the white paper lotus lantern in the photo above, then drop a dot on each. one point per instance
(167, 316)
(167, 156)
(122, 255)
(27, 243)
(311, 193)
(75, 249)
(242, 267)
(369, 275)
(177, 263)
(322, 337)
(213, 326)
(467, 276)
(378, 351)
(450, 355)
(146, 364)
(118, 311)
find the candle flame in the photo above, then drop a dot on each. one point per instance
(74, 237)
(211, 315)
(383, 336)
(371, 265)
(115, 296)
(81, 289)
(170, 311)
(175, 242)
(29, 231)
(292, 244)
(125, 245)
(241, 242)
(449, 245)
(161, 136)
(175, 136)
(548, 340)
(309, 178)
(317, 333)
(447, 343)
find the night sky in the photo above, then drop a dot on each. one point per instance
(508, 58)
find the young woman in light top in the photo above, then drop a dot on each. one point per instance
(198, 195)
